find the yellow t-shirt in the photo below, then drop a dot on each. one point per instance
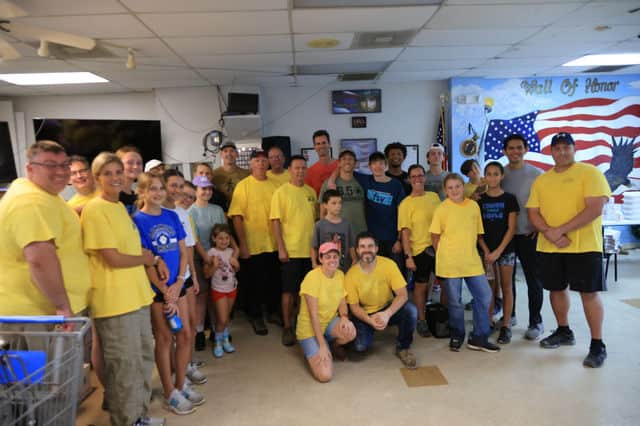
(252, 200)
(560, 197)
(29, 214)
(458, 226)
(328, 291)
(80, 200)
(373, 291)
(226, 182)
(115, 291)
(415, 214)
(295, 206)
(469, 189)
(280, 179)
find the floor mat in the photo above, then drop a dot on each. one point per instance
(429, 375)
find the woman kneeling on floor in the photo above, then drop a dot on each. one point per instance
(323, 296)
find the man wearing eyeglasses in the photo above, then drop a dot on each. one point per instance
(45, 270)
(82, 182)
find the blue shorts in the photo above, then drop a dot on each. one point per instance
(310, 345)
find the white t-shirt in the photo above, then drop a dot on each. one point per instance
(189, 241)
(224, 279)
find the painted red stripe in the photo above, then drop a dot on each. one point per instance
(627, 131)
(630, 110)
(583, 103)
(580, 145)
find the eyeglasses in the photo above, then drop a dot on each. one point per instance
(53, 166)
(79, 172)
(189, 196)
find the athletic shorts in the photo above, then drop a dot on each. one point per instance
(293, 272)
(581, 272)
(159, 297)
(310, 345)
(425, 265)
(188, 283)
(217, 295)
(507, 259)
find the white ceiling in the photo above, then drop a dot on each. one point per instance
(207, 42)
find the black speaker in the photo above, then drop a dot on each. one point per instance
(282, 142)
(242, 103)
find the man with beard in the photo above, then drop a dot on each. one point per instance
(377, 297)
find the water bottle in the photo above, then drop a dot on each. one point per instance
(174, 322)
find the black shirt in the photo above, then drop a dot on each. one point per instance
(403, 179)
(495, 218)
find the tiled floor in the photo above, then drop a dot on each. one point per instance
(264, 383)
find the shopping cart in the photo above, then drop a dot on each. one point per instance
(40, 369)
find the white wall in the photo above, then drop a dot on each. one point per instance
(410, 113)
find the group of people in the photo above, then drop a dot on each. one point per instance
(322, 251)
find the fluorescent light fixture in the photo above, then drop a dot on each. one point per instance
(608, 59)
(49, 78)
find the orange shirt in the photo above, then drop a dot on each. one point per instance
(318, 173)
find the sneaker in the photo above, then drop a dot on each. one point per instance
(196, 363)
(534, 331)
(201, 341)
(194, 397)
(288, 337)
(596, 357)
(455, 343)
(217, 350)
(505, 336)
(423, 328)
(558, 338)
(407, 358)
(485, 346)
(150, 421)
(227, 346)
(196, 376)
(259, 327)
(512, 323)
(178, 403)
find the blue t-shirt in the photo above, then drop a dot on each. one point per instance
(161, 234)
(381, 206)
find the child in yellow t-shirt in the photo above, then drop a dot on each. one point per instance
(455, 228)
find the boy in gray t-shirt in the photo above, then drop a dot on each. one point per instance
(335, 229)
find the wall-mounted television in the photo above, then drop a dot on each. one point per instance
(90, 137)
(356, 101)
(362, 148)
(8, 170)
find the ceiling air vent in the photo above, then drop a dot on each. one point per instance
(606, 68)
(378, 40)
(358, 76)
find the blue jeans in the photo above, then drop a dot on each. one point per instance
(405, 319)
(481, 292)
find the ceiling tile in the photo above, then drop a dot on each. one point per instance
(231, 77)
(607, 12)
(276, 62)
(141, 46)
(344, 40)
(391, 76)
(34, 65)
(583, 34)
(460, 37)
(500, 16)
(7, 89)
(70, 7)
(81, 89)
(203, 5)
(346, 56)
(203, 46)
(451, 53)
(551, 50)
(352, 20)
(153, 84)
(151, 75)
(228, 23)
(97, 26)
(119, 65)
(417, 66)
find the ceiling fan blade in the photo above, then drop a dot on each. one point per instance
(7, 51)
(21, 30)
(8, 10)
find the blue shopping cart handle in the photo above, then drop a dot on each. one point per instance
(36, 319)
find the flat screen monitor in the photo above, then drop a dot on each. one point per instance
(356, 101)
(90, 137)
(8, 170)
(242, 103)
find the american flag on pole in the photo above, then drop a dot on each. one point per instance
(605, 131)
(441, 138)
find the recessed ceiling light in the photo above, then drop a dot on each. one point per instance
(48, 78)
(323, 43)
(607, 59)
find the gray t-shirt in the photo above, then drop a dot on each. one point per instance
(339, 233)
(518, 182)
(204, 218)
(433, 183)
(353, 197)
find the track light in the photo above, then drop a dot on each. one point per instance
(43, 50)
(131, 60)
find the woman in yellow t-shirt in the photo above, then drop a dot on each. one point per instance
(322, 295)
(120, 295)
(455, 229)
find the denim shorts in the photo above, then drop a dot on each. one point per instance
(507, 259)
(310, 345)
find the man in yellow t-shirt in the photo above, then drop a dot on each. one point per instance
(565, 206)
(226, 177)
(377, 297)
(293, 214)
(276, 171)
(414, 219)
(250, 211)
(82, 182)
(45, 270)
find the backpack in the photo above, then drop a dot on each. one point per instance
(437, 316)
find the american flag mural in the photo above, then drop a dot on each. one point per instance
(606, 132)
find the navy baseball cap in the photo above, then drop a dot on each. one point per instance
(562, 137)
